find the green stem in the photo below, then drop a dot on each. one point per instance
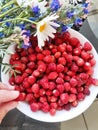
(22, 19)
(7, 12)
(6, 5)
(22, 14)
(1, 41)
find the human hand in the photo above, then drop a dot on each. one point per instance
(7, 96)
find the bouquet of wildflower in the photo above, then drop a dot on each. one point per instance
(19, 19)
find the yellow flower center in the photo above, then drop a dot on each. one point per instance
(42, 26)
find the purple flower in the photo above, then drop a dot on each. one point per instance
(26, 38)
(36, 10)
(85, 11)
(86, 4)
(8, 24)
(78, 21)
(55, 5)
(26, 33)
(26, 46)
(70, 14)
(22, 26)
(63, 28)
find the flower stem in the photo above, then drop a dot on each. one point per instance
(7, 12)
(7, 4)
(20, 15)
(15, 19)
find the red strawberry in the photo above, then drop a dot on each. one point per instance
(52, 75)
(62, 60)
(52, 111)
(21, 97)
(74, 41)
(19, 66)
(34, 107)
(24, 59)
(31, 65)
(32, 57)
(87, 46)
(35, 88)
(40, 56)
(18, 79)
(51, 66)
(60, 68)
(30, 50)
(31, 79)
(42, 67)
(49, 58)
(58, 41)
(64, 97)
(15, 56)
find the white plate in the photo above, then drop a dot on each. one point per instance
(60, 115)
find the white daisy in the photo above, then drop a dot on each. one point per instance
(46, 29)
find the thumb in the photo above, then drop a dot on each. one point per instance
(6, 107)
(6, 95)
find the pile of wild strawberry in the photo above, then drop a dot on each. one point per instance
(56, 77)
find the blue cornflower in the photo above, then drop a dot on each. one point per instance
(22, 26)
(86, 4)
(1, 34)
(8, 24)
(55, 5)
(36, 10)
(63, 28)
(27, 33)
(78, 21)
(85, 11)
(70, 14)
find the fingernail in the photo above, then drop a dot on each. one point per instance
(15, 93)
(12, 87)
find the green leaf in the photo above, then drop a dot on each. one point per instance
(14, 74)
(17, 71)
(7, 71)
(3, 68)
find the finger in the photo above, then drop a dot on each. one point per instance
(6, 107)
(4, 86)
(6, 95)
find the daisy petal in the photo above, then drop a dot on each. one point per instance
(54, 24)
